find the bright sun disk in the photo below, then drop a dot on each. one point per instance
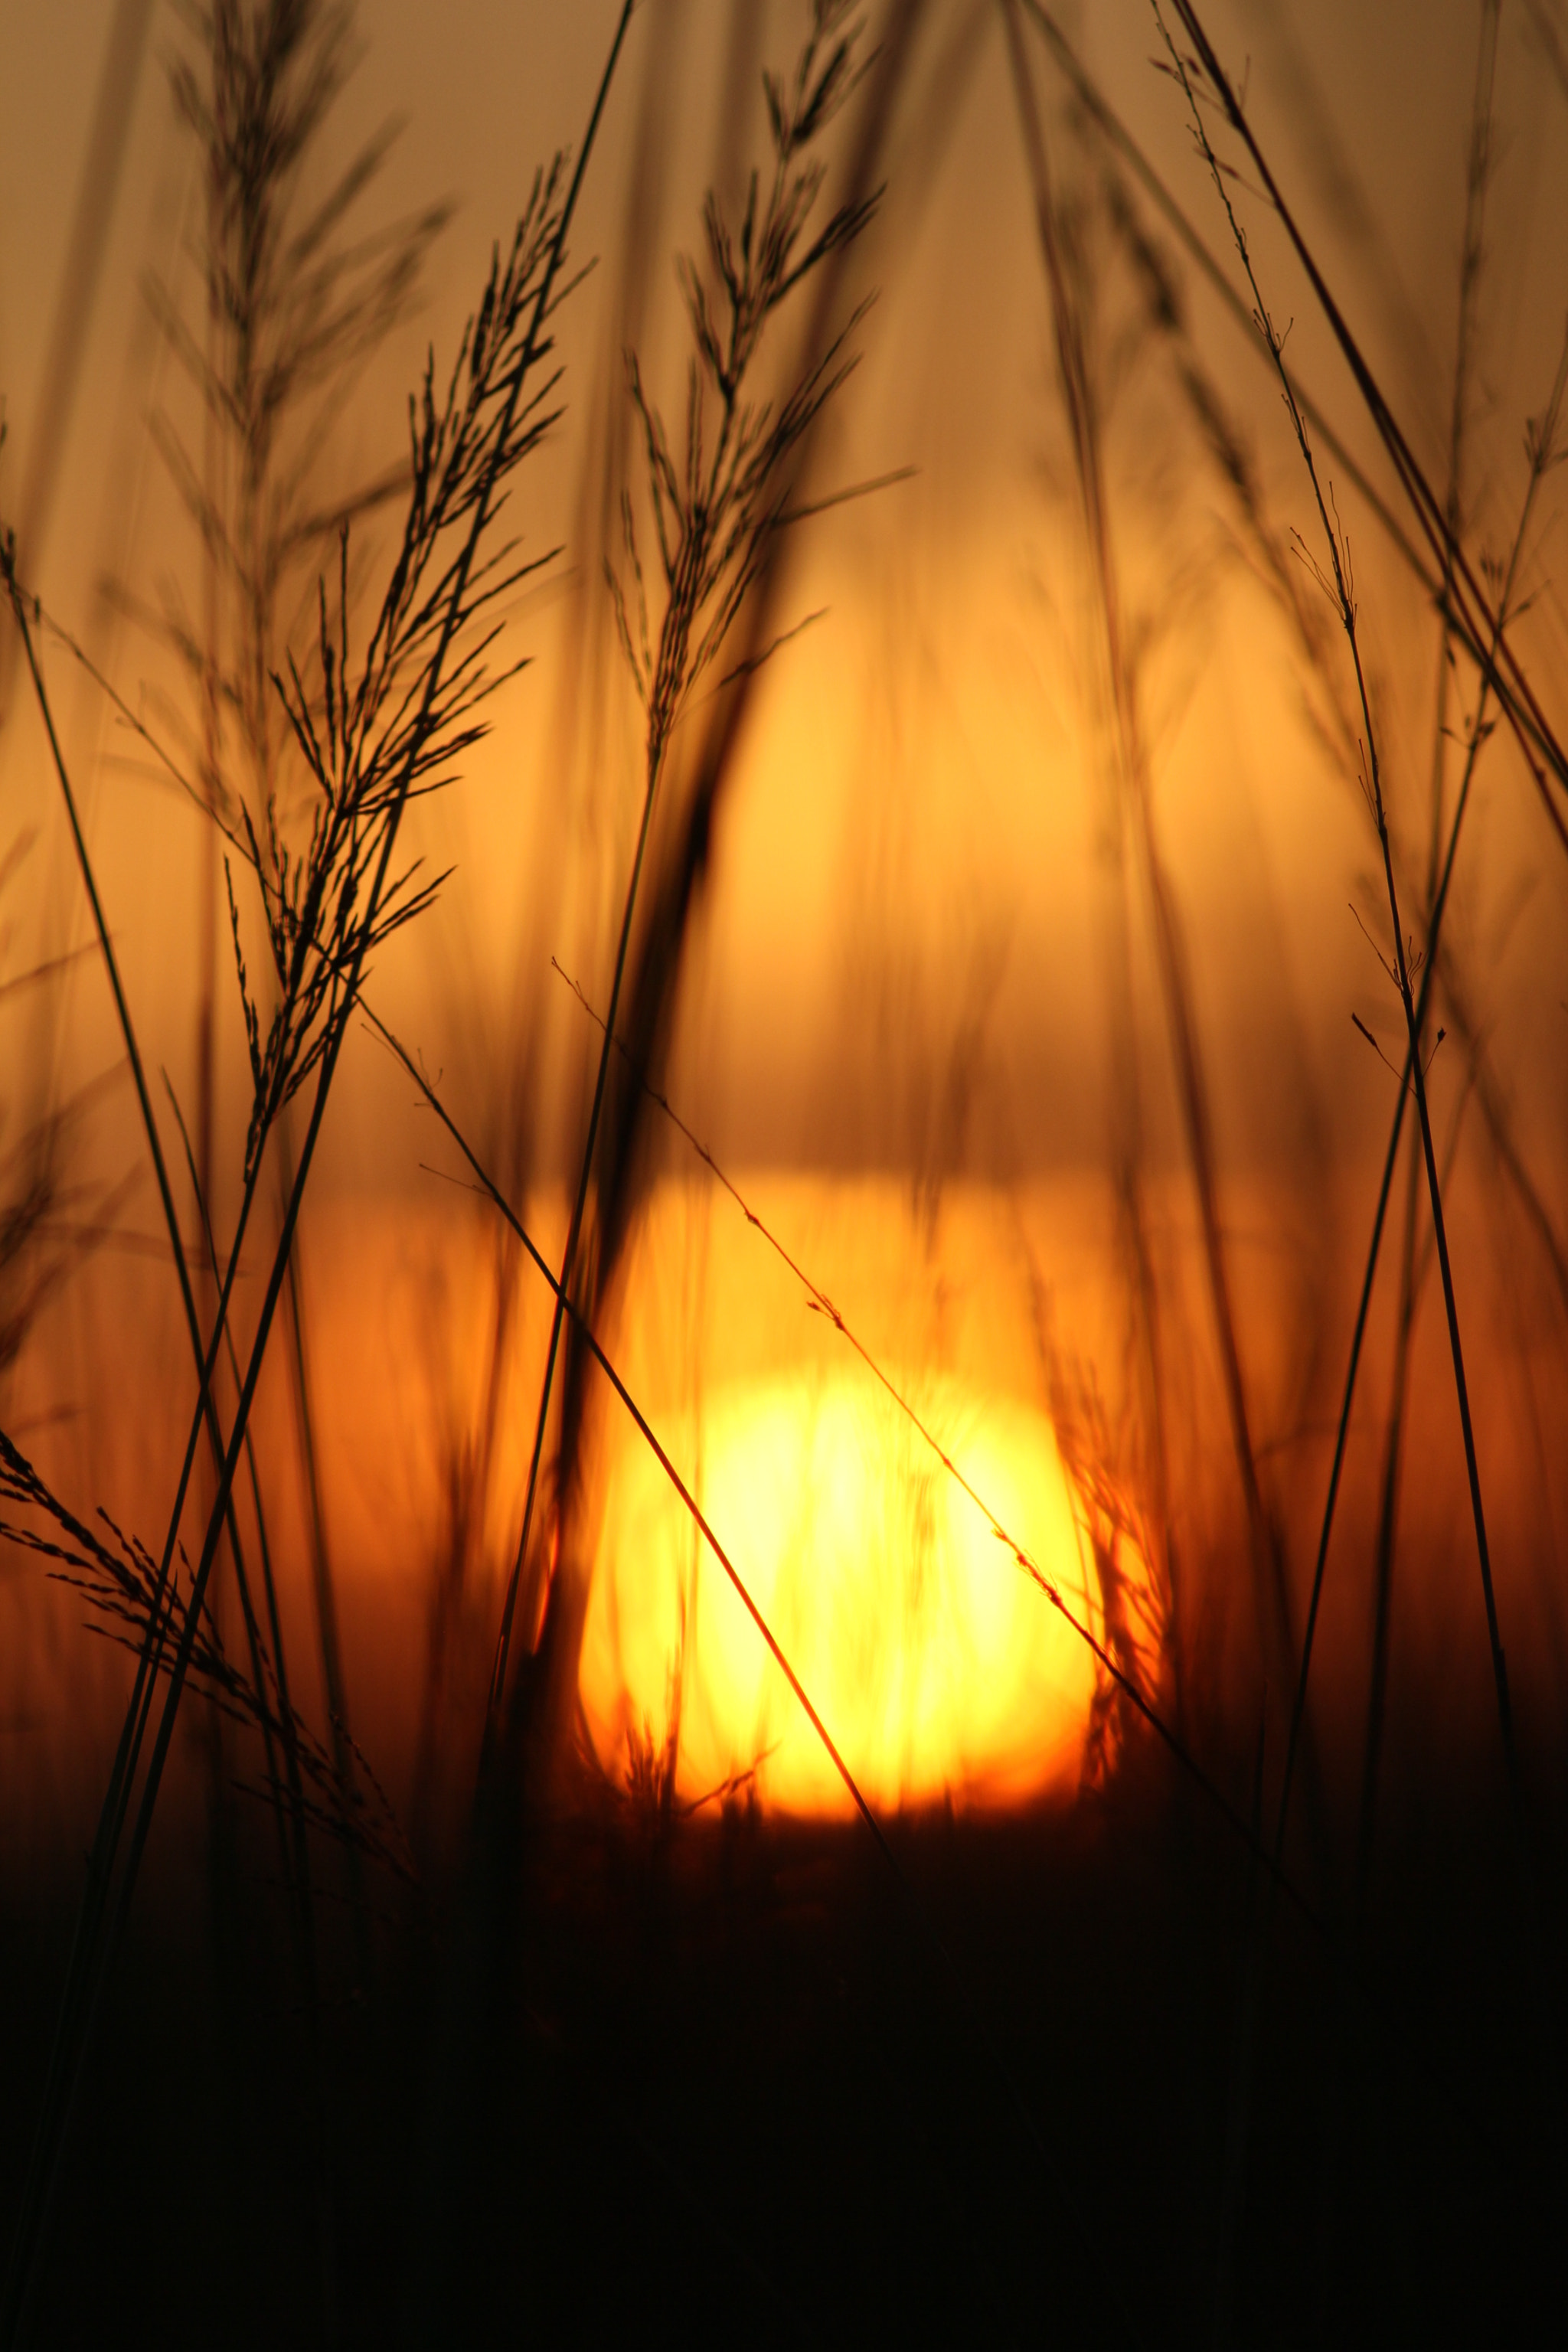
(938, 1665)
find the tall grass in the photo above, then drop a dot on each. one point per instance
(387, 724)
(537, 1957)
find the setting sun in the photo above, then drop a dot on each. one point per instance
(937, 1665)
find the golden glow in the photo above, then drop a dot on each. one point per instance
(938, 1665)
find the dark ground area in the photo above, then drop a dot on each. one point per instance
(749, 2090)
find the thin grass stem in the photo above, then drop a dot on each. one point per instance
(1082, 406)
(1248, 1834)
(1475, 616)
(1400, 968)
(424, 706)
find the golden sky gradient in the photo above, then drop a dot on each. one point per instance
(900, 964)
(918, 769)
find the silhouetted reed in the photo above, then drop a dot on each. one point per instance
(390, 721)
(717, 511)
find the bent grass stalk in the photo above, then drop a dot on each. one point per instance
(684, 869)
(714, 517)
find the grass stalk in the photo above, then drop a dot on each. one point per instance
(1148, 1337)
(1121, 146)
(1384, 1556)
(1392, 2028)
(207, 1415)
(499, 1679)
(1468, 611)
(1543, 452)
(328, 1646)
(297, 1865)
(1337, 585)
(1476, 177)
(915, 1908)
(345, 901)
(1474, 615)
(206, 1410)
(38, 2193)
(1074, 374)
(557, 1949)
(717, 516)
(1541, 442)
(767, 502)
(280, 1659)
(269, 1583)
(1169, 1735)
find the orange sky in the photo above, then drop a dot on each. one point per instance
(912, 832)
(902, 965)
